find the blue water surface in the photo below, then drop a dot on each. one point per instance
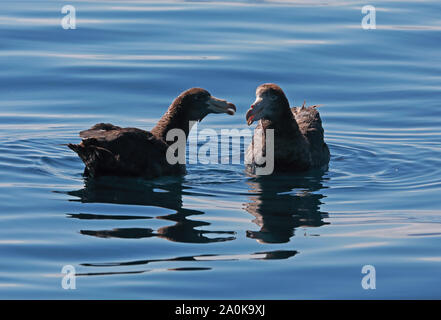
(217, 232)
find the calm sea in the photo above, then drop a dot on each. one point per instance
(217, 232)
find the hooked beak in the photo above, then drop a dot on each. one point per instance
(254, 113)
(221, 106)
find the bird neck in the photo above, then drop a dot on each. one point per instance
(284, 124)
(175, 118)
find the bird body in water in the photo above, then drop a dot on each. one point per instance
(110, 150)
(298, 133)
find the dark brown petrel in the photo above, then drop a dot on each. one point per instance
(298, 133)
(114, 151)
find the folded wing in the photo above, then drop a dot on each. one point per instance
(108, 149)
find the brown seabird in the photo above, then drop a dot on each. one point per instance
(298, 133)
(110, 150)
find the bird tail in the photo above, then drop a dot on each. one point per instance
(85, 155)
(81, 150)
(74, 147)
(98, 160)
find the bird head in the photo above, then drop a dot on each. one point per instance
(270, 103)
(199, 103)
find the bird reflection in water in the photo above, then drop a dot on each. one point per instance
(282, 203)
(268, 255)
(163, 193)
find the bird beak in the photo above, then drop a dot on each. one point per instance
(221, 106)
(254, 113)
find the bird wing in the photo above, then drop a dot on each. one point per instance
(108, 149)
(309, 122)
(98, 130)
(256, 149)
(310, 125)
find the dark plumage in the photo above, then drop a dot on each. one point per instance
(107, 149)
(298, 133)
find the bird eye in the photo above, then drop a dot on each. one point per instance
(273, 97)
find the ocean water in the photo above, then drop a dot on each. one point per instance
(217, 232)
